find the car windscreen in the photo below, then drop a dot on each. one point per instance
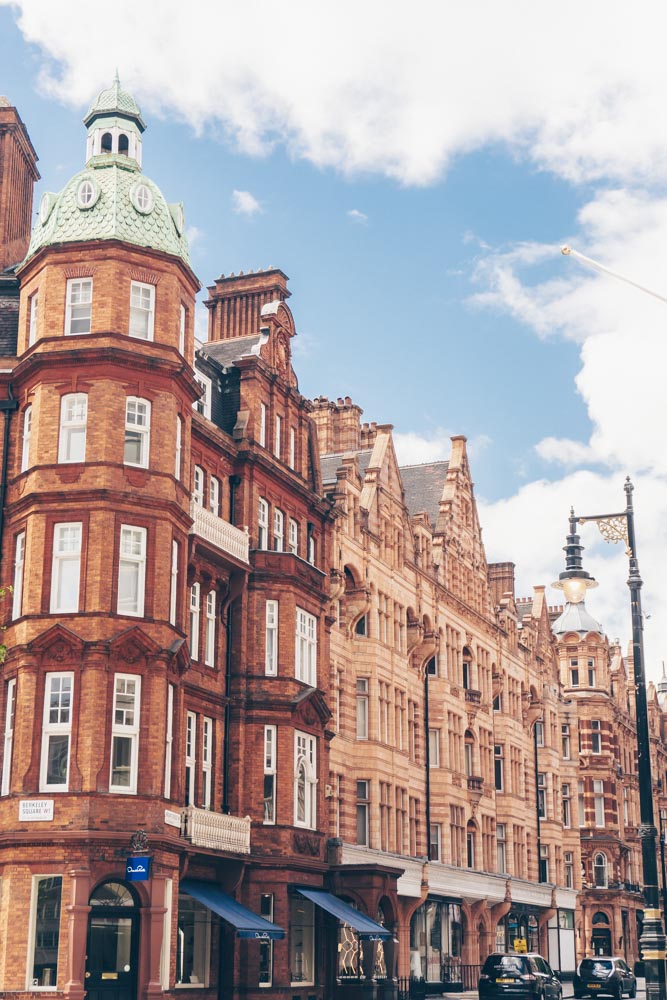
(590, 966)
(504, 963)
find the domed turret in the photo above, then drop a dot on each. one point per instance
(112, 199)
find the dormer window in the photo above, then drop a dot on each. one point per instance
(123, 144)
(142, 198)
(86, 194)
(106, 143)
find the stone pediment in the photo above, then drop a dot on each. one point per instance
(133, 646)
(58, 644)
(310, 708)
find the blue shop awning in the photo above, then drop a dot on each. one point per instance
(365, 927)
(247, 923)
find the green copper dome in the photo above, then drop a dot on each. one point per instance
(112, 199)
(115, 100)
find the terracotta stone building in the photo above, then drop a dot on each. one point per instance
(271, 724)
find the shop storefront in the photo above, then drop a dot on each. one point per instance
(518, 931)
(436, 942)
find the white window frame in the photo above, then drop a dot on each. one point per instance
(435, 841)
(58, 703)
(32, 934)
(173, 589)
(596, 736)
(262, 425)
(25, 439)
(8, 740)
(195, 607)
(120, 729)
(198, 485)
(190, 778)
(138, 424)
(278, 529)
(19, 566)
(182, 321)
(209, 649)
(79, 295)
(178, 447)
(362, 708)
(64, 553)
(33, 313)
(599, 802)
(266, 907)
(203, 404)
(73, 427)
(501, 842)
(566, 798)
(305, 773)
(363, 808)
(168, 741)
(277, 443)
(132, 562)
(270, 771)
(292, 448)
(262, 523)
(305, 660)
(271, 639)
(214, 495)
(207, 736)
(142, 308)
(293, 536)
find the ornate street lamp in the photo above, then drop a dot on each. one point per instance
(574, 582)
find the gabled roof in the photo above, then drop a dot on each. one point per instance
(226, 352)
(330, 464)
(423, 486)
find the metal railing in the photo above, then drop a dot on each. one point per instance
(216, 831)
(459, 977)
(220, 533)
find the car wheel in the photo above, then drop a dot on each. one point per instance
(619, 991)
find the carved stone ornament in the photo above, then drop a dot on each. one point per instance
(304, 843)
(139, 842)
(60, 652)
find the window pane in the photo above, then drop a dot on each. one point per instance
(56, 761)
(192, 942)
(121, 761)
(47, 932)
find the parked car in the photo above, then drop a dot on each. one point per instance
(604, 975)
(517, 975)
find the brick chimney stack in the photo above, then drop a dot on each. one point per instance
(338, 425)
(501, 580)
(18, 174)
(235, 302)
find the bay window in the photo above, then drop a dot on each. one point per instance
(65, 569)
(56, 732)
(125, 733)
(132, 571)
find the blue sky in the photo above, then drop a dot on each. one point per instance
(466, 156)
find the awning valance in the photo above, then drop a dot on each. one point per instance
(365, 927)
(247, 923)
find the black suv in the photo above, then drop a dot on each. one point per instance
(518, 976)
(605, 975)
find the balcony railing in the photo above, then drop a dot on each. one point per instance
(473, 697)
(475, 784)
(221, 534)
(216, 831)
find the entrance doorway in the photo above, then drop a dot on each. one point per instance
(601, 938)
(112, 950)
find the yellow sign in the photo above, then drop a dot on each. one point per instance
(520, 945)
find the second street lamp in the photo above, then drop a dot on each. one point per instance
(574, 582)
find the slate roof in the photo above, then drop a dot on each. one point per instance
(114, 99)
(114, 214)
(423, 486)
(330, 464)
(575, 618)
(226, 352)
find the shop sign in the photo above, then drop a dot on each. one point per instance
(138, 868)
(35, 810)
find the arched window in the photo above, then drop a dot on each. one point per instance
(106, 143)
(468, 753)
(600, 918)
(305, 780)
(123, 144)
(467, 668)
(600, 870)
(471, 832)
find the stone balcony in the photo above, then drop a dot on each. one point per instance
(219, 534)
(215, 831)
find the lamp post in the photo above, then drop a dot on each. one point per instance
(574, 582)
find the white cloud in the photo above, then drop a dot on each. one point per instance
(564, 451)
(386, 93)
(414, 449)
(356, 216)
(193, 235)
(245, 203)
